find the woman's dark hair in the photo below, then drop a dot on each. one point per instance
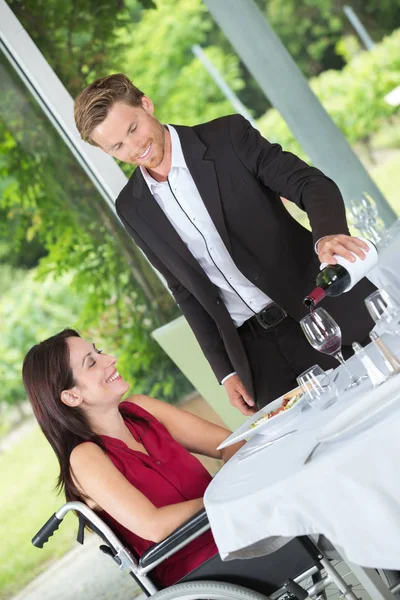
(46, 372)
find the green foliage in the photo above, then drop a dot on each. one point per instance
(29, 312)
(348, 46)
(369, 77)
(48, 198)
(312, 30)
(195, 97)
(354, 96)
(79, 38)
(175, 80)
(275, 129)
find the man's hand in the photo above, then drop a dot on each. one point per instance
(239, 396)
(343, 245)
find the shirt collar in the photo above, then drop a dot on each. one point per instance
(177, 160)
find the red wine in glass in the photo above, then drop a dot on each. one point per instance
(331, 346)
(324, 335)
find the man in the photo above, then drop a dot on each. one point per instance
(205, 207)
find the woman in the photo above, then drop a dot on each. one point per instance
(130, 461)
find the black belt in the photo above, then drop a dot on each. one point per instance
(268, 318)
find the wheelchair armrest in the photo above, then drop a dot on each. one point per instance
(179, 538)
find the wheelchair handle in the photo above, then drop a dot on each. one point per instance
(53, 523)
(46, 531)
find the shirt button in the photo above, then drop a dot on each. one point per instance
(158, 462)
(218, 301)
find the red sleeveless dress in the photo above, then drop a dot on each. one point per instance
(168, 475)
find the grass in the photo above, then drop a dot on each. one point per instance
(27, 473)
(387, 177)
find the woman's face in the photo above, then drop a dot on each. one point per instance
(97, 379)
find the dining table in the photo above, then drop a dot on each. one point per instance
(348, 492)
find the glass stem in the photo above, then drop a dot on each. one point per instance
(339, 357)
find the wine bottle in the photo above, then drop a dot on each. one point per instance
(334, 280)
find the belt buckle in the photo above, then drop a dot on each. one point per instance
(271, 316)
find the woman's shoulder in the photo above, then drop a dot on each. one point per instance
(86, 451)
(152, 409)
(139, 403)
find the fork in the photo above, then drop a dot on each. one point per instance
(309, 457)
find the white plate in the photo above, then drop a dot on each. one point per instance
(267, 428)
(362, 411)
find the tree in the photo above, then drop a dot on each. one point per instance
(46, 196)
(312, 29)
(79, 39)
(354, 97)
(172, 76)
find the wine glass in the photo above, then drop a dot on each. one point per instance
(365, 217)
(324, 335)
(384, 310)
(319, 389)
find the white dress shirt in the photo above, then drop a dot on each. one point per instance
(186, 211)
(188, 215)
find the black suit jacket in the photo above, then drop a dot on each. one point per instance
(240, 177)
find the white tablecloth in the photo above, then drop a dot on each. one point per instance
(349, 492)
(387, 272)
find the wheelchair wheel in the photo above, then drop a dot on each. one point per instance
(207, 590)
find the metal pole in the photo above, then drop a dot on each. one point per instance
(281, 80)
(359, 27)
(222, 84)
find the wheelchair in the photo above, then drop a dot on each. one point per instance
(279, 575)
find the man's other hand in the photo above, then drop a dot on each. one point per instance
(343, 245)
(239, 396)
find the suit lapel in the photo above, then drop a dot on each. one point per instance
(205, 178)
(159, 224)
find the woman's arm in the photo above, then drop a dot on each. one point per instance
(101, 481)
(195, 434)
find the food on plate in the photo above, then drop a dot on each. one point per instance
(288, 401)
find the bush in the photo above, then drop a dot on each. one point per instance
(354, 97)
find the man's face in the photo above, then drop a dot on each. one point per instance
(132, 134)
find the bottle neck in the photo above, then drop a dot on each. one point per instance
(314, 297)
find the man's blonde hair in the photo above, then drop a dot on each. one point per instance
(92, 105)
